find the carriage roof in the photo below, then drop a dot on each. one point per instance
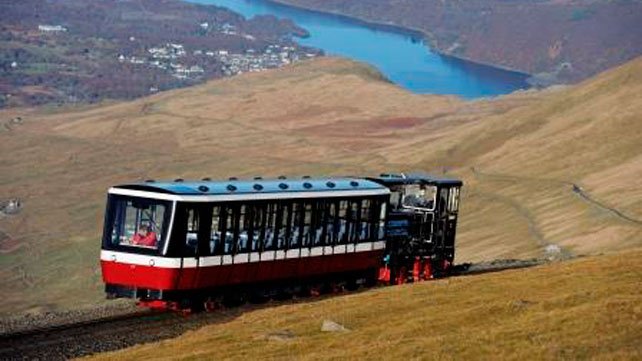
(256, 186)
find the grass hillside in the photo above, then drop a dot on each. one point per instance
(518, 155)
(582, 309)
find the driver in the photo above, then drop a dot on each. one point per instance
(144, 237)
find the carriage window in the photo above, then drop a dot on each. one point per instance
(215, 235)
(191, 238)
(271, 227)
(443, 200)
(365, 226)
(296, 226)
(343, 224)
(453, 200)
(308, 228)
(228, 236)
(319, 221)
(332, 222)
(135, 222)
(419, 196)
(354, 215)
(373, 219)
(285, 231)
(382, 221)
(258, 226)
(243, 233)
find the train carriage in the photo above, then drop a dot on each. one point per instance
(176, 243)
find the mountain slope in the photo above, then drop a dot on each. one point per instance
(581, 309)
(518, 155)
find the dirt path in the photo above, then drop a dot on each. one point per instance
(574, 187)
(584, 195)
(551, 249)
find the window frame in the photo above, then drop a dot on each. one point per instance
(110, 222)
(282, 218)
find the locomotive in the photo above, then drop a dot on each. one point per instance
(189, 244)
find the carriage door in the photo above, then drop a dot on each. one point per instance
(451, 222)
(442, 218)
(197, 222)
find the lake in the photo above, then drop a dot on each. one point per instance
(402, 56)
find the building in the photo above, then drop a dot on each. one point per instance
(52, 28)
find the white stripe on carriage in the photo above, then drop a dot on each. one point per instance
(241, 258)
(209, 261)
(267, 256)
(255, 257)
(140, 259)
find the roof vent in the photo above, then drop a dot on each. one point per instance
(231, 187)
(257, 187)
(203, 188)
(283, 186)
(149, 181)
(206, 179)
(331, 184)
(354, 183)
(178, 180)
(307, 185)
(233, 178)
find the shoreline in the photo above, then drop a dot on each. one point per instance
(405, 30)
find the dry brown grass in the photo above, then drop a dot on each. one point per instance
(581, 309)
(328, 116)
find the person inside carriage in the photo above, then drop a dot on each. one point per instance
(144, 237)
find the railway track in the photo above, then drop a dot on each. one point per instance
(66, 341)
(69, 340)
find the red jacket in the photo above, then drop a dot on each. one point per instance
(149, 240)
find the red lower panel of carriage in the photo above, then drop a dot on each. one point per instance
(159, 278)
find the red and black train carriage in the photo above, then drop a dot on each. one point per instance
(182, 244)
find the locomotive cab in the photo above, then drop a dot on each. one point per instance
(422, 220)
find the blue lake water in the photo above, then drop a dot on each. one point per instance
(401, 56)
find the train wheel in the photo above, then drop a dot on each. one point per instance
(231, 300)
(336, 287)
(371, 278)
(259, 297)
(402, 276)
(316, 290)
(283, 294)
(211, 305)
(351, 284)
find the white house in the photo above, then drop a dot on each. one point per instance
(52, 28)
